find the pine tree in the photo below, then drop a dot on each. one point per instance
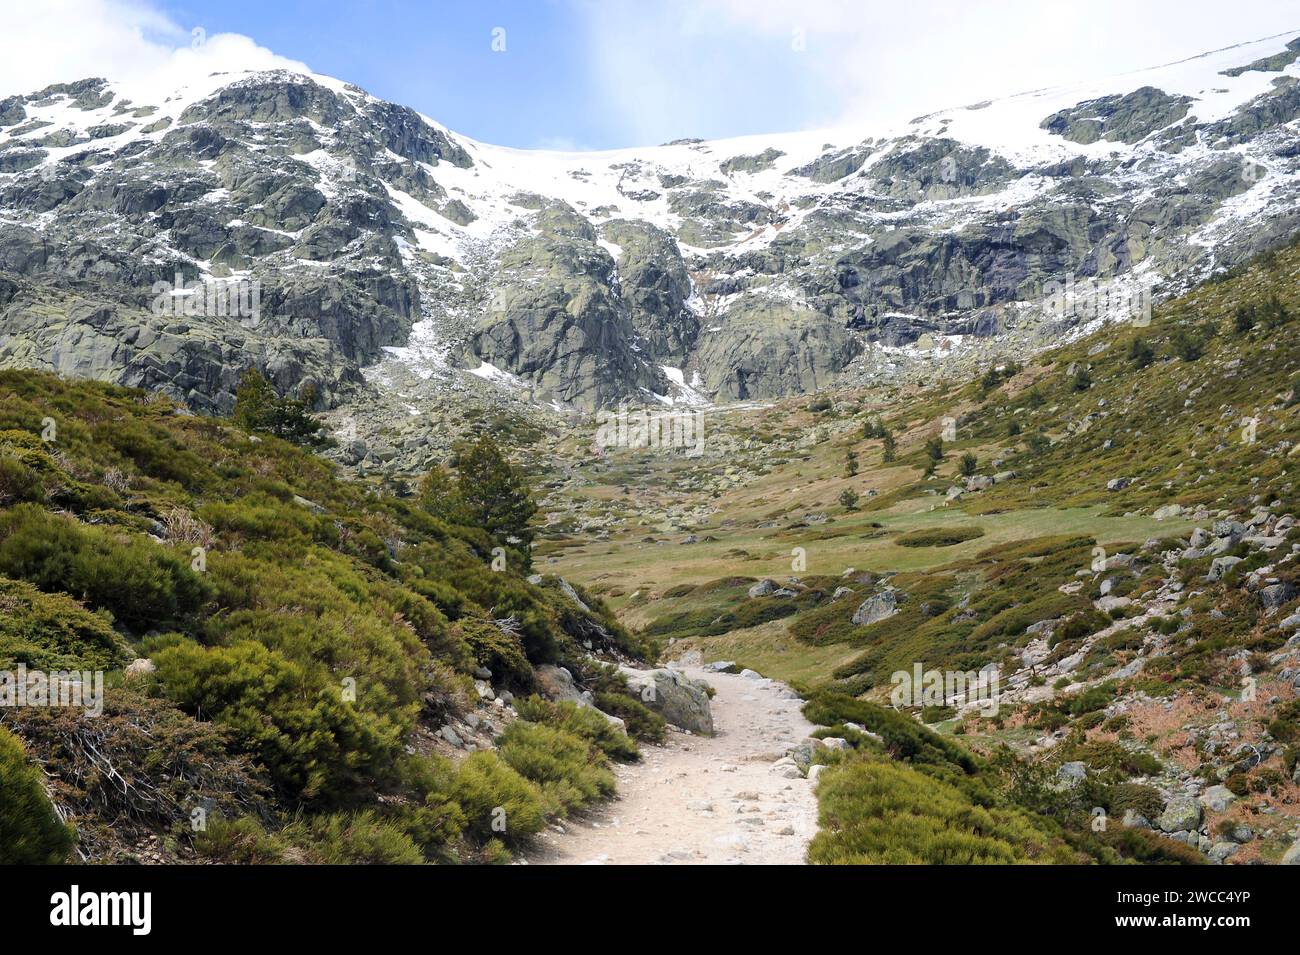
(494, 496)
(890, 447)
(968, 464)
(440, 495)
(259, 408)
(850, 463)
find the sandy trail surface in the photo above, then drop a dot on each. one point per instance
(704, 800)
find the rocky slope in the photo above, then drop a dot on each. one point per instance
(399, 266)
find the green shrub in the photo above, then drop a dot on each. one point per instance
(53, 632)
(315, 745)
(904, 738)
(496, 800)
(581, 721)
(359, 838)
(499, 651)
(643, 723)
(240, 841)
(18, 482)
(939, 536)
(875, 812)
(143, 584)
(30, 831)
(566, 768)
(1144, 800)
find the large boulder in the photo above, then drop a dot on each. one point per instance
(1182, 814)
(877, 608)
(681, 701)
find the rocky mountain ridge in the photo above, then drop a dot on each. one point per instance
(399, 266)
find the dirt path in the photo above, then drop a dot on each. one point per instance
(704, 800)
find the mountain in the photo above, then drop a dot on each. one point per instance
(337, 240)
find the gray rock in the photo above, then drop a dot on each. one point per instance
(1182, 813)
(874, 609)
(140, 666)
(1071, 774)
(681, 701)
(1220, 566)
(722, 666)
(1222, 851)
(1217, 798)
(762, 588)
(1274, 596)
(801, 755)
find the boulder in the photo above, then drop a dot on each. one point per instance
(1220, 566)
(138, 667)
(801, 754)
(1182, 814)
(762, 588)
(681, 701)
(1274, 596)
(556, 683)
(1221, 851)
(1071, 774)
(1167, 511)
(877, 608)
(1292, 855)
(1218, 798)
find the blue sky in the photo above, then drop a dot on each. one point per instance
(605, 73)
(546, 88)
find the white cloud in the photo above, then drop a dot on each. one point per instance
(835, 62)
(127, 41)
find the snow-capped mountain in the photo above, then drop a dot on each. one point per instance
(326, 236)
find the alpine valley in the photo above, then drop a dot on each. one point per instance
(305, 407)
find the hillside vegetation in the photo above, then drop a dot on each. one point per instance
(301, 647)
